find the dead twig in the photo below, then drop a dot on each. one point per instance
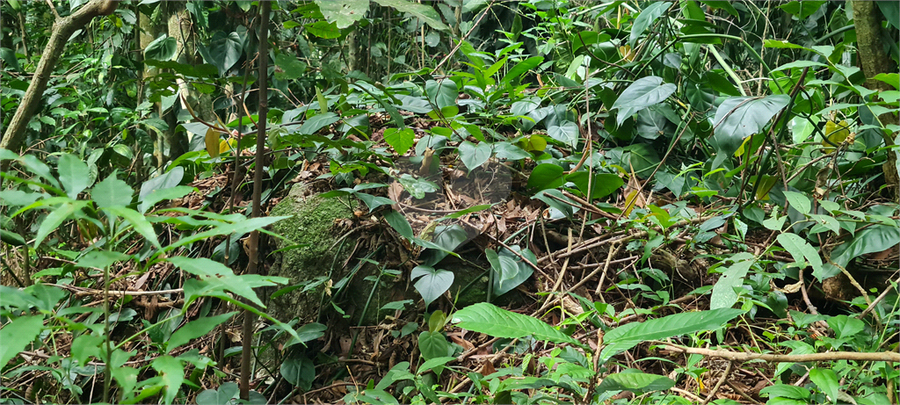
(787, 358)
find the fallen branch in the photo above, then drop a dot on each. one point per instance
(788, 358)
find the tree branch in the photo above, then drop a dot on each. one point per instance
(62, 31)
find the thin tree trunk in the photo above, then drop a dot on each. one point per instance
(867, 19)
(62, 31)
(253, 265)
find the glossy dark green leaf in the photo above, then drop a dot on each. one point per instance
(602, 185)
(298, 371)
(740, 117)
(397, 221)
(162, 48)
(641, 94)
(546, 175)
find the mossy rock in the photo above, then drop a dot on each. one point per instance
(312, 258)
(309, 250)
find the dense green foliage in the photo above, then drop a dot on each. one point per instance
(704, 166)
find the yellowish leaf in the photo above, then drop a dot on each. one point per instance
(212, 142)
(627, 53)
(765, 185)
(836, 133)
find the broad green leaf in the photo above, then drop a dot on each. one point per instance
(73, 174)
(397, 221)
(39, 168)
(431, 282)
(798, 201)
(164, 181)
(740, 117)
(111, 192)
(86, 346)
(161, 195)
(299, 371)
(308, 332)
(602, 185)
(434, 345)
(627, 336)
(291, 67)
(101, 259)
(373, 201)
(723, 295)
(317, 122)
(636, 382)
(827, 381)
(221, 396)
(802, 9)
(223, 51)
(6, 154)
(510, 271)
(16, 336)
(472, 155)
(723, 4)
(162, 48)
(172, 372)
(139, 222)
(506, 150)
(45, 297)
(441, 93)
(240, 227)
(560, 123)
(564, 131)
(545, 176)
(434, 364)
(491, 320)
(800, 64)
(646, 18)
(521, 68)
(425, 12)
(18, 198)
(219, 277)
(195, 329)
(323, 29)
(416, 186)
(566, 209)
(845, 326)
(785, 391)
(54, 219)
(400, 139)
(801, 251)
(343, 13)
(641, 94)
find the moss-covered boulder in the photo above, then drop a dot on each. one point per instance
(315, 258)
(308, 254)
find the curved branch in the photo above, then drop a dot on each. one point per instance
(62, 30)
